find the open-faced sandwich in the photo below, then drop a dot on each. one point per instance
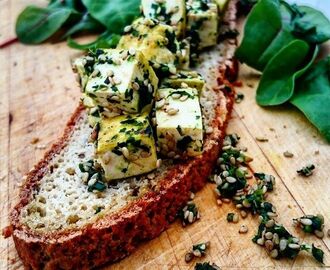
(148, 132)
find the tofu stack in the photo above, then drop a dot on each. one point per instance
(142, 99)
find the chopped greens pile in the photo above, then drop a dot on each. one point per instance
(231, 178)
(283, 41)
(62, 19)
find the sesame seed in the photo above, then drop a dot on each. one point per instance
(115, 98)
(172, 111)
(159, 163)
(294, 246)
(125, 152)
(136, 86)
(160, 104)
(184, 85)
(150, 88)
(243, 214)
(270, 223)
(127, 28)
(183, 98)
(274, 253)
(269, 235)
(306, 221)
(283, 244)
(261, 241)
(132, 51)
(231, 179)
(93, 180)
(243, 229)
(269, 245)
(172, 69)
(319, 234)
(191, 217)
(176, 96)
(209, 130)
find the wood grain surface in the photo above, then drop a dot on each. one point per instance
(38, 93)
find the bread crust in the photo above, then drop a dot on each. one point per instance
(116, 235)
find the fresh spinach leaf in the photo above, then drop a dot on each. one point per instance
(312, 96)
(87, 23)
(278, 80)
(264, 34)
(114, 14)
(34, 25)
(310, 24)
(106, 40)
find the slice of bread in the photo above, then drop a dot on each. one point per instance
(58, 224)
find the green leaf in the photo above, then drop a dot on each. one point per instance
(318, 254)
(312, 26)
(34, 25)
(106, 40)
(114, 14)
(87, 23)
(312, 96)
(278, 80)
(264, 34)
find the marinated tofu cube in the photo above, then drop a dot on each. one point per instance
(179, 122)
(121, 81)
(202, 23)
(171, 12)
(184, 78)
(126, 146)
(156, 41)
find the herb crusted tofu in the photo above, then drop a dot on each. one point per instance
(171, 12)
(126, 146)
(120, 80)
(202, 23)
(179, 122)
(156, 41)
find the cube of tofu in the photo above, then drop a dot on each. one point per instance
(121, 80)
(179, 122)
(171, 12)
(126, 146)
(202, 23)
(156, 41)
(183, 78)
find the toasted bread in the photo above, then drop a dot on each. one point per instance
(58, 224)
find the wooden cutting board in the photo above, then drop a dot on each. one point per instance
(38, 93)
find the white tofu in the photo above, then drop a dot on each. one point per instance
(156, 41)
(179, 122)
(188, 78)
(126, 146)
(121, 81)
(171, 12)
(202, 23)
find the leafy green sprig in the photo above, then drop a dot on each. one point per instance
(63, 19)
(282, 41)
